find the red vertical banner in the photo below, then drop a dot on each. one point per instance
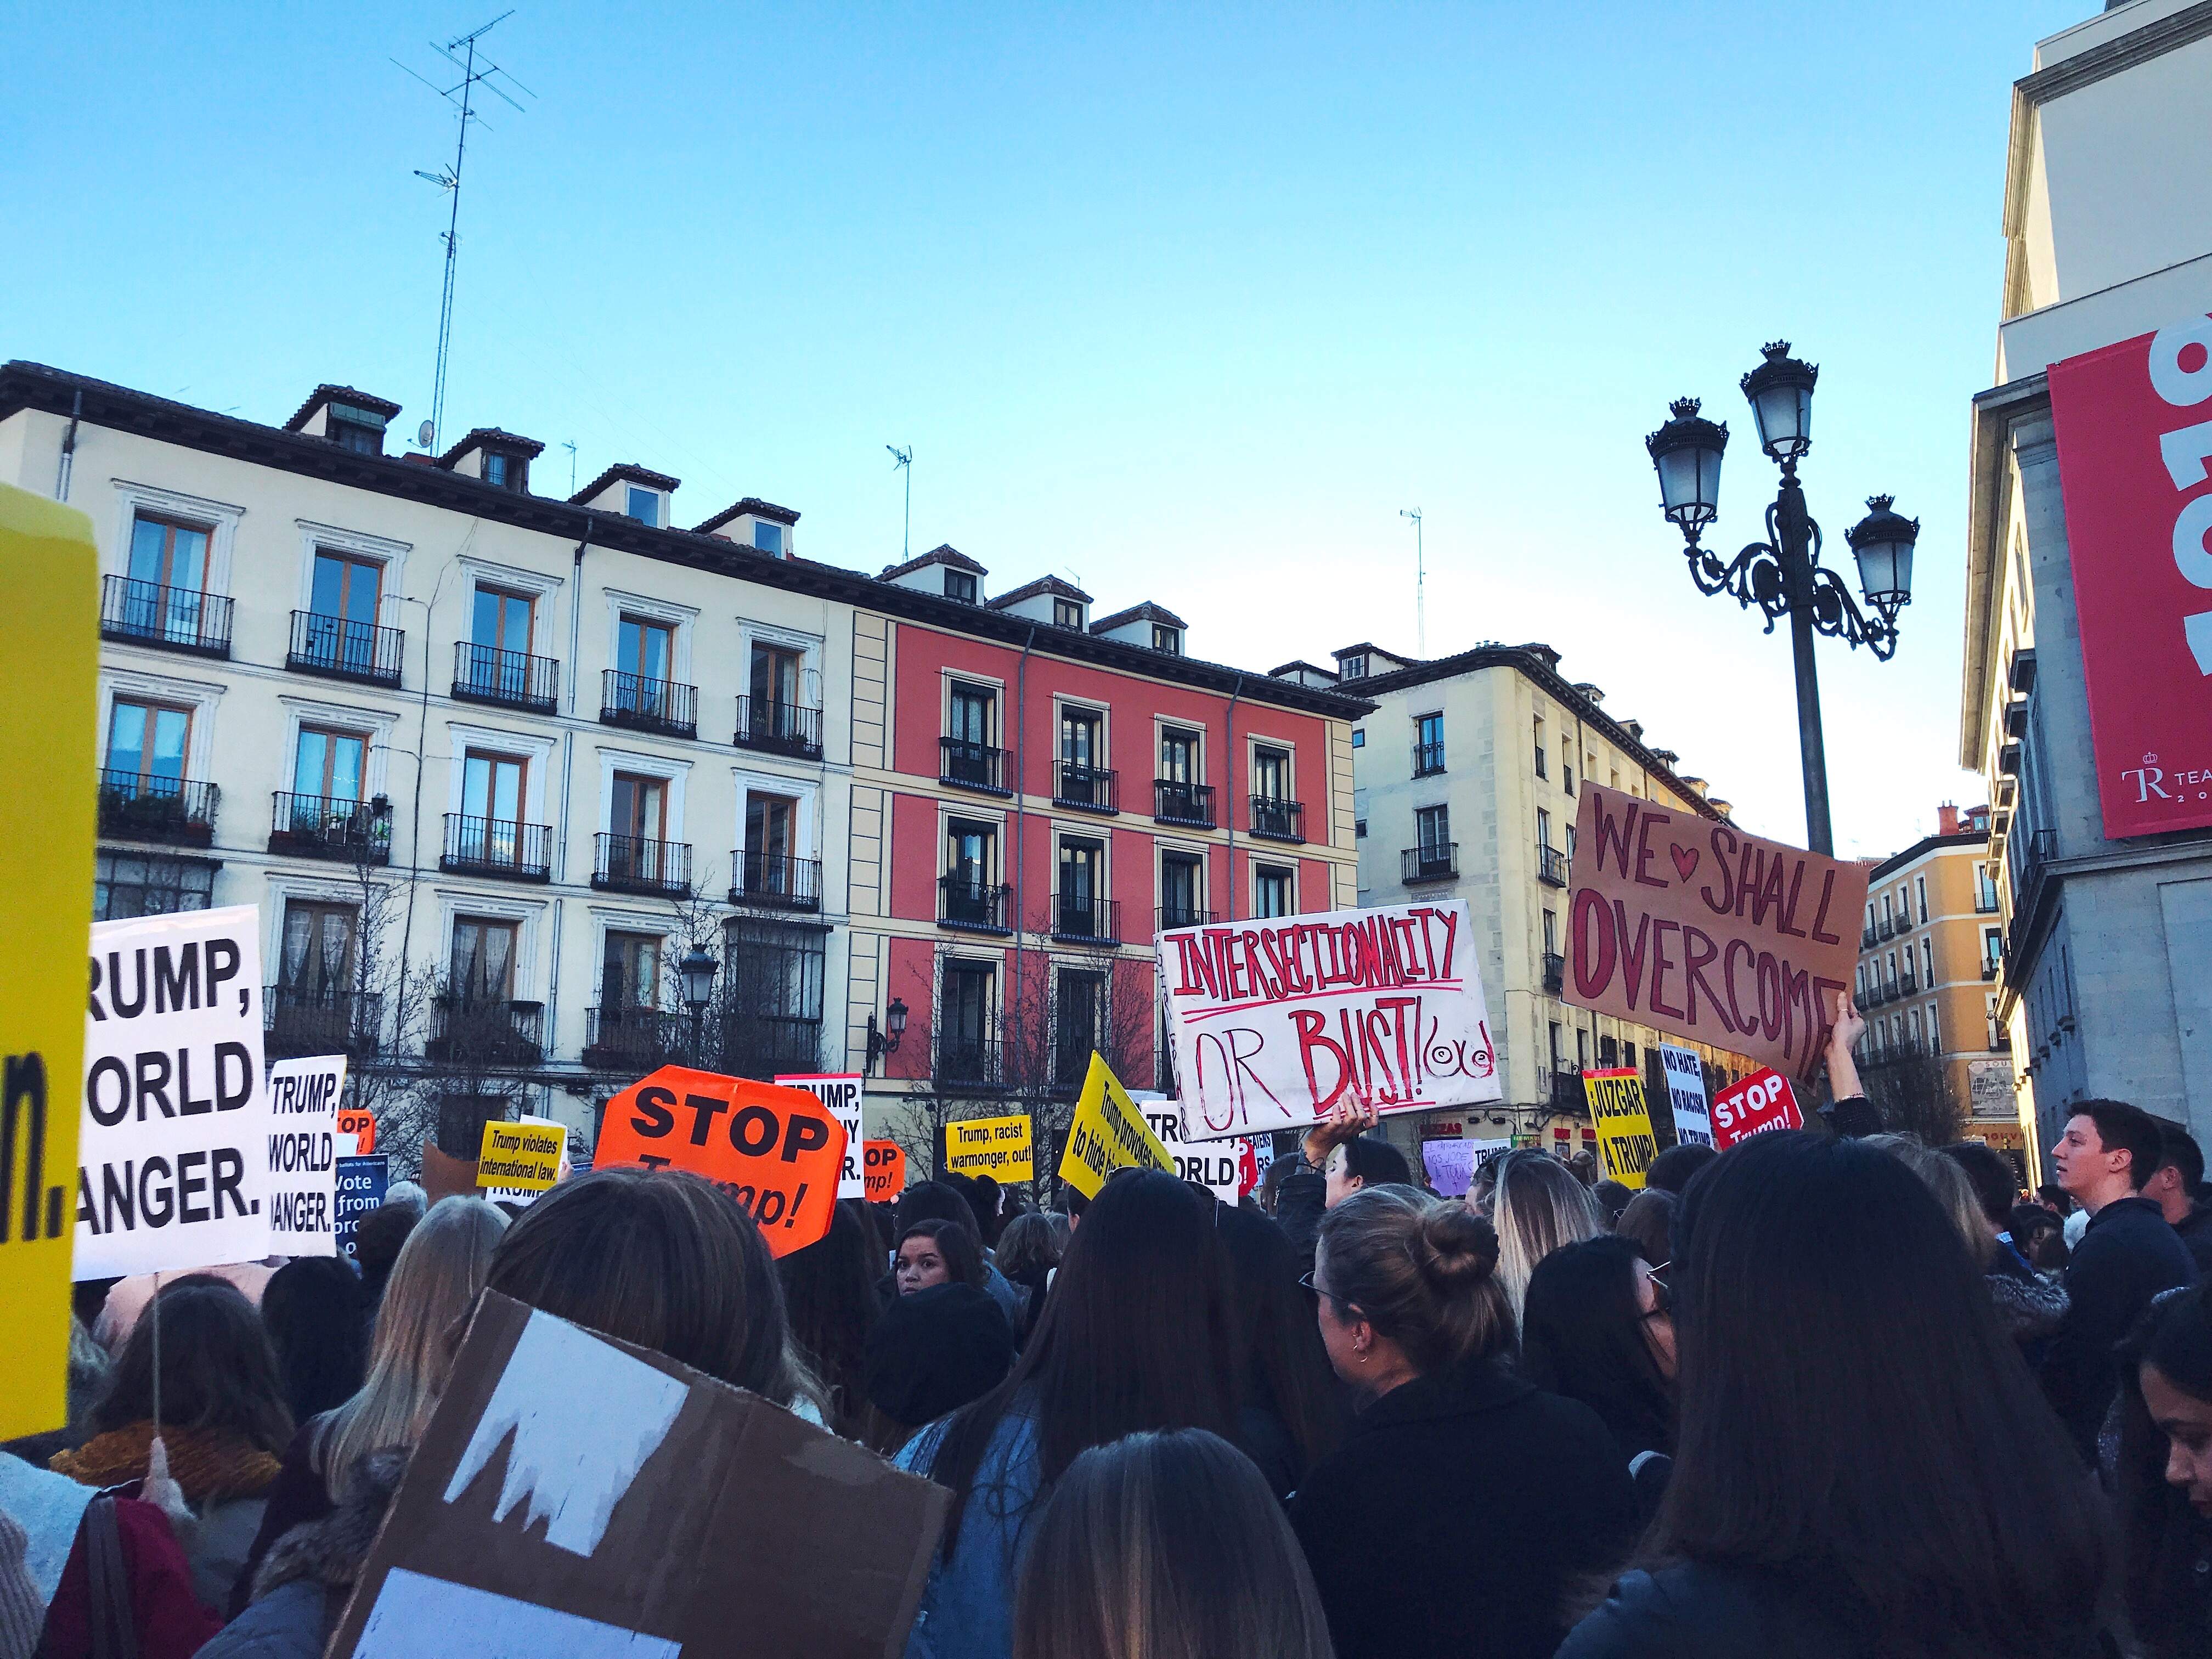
(2134, 423)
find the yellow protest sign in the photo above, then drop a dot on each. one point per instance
(1623, 1124)
(1108, 1133)
(996, 1146)
(525, 1155)
(50, 640)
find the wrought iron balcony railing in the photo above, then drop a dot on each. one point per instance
(1183, 803)
(975, 1061)
(978, 905)
(306, 1019)
(1276, 819)
(626, 1038)
(779, 728)
(1090, 789)
(1085, 917)
(1182, 915)
(1551, 865)
(484, 1031)
(780, 883)
(1555, 972)
(633, 864)
(1437, 862)
(1428, 759)
(178, 811)
(646, 705)
(328, 827)
(344, 650)
(174, 618)
(496, 847)
(483, 673)
(971, 765)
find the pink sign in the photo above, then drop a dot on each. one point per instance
(1761, 1102)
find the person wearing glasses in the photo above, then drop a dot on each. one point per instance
(1464, 1505)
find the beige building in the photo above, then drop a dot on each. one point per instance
(1465, 780)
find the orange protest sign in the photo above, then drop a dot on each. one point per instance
(778, 1151)
(883, 1171)
(355, 1122)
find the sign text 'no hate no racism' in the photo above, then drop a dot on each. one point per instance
(1710, 933)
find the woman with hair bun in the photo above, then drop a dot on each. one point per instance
(1465, 1505)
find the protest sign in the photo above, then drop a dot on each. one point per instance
(1761, 1102)
(303, 1155)
(842, 1092)
(584, 1499)
(778, 1151)
(361, 1185)
(173, 1170)
(1110, 1133)
(1699, 928)
(1450, 1165)
(521, 1157)
(1625, 1139)
(361, 1124)
(1255, 1155)
(1274, 1022)
(1685, 1090)
(1218, 1165)
(50, 640)
(882, 1170)
(995, 1146)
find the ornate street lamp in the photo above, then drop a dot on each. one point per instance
(696, 971)
(879, 1044)
(1783, 575)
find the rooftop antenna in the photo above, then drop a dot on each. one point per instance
(1421, 584)
(461, 52)
(570, 446)
(904, 459)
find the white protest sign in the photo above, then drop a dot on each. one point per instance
(840, 1092)
(1275, 1021)
(1218, 1165)
(1686, 1087)
(172, 1165)
(304, 1149)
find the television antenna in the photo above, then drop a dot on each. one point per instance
(903, 459)
(570, 446)
(1420, 582)
(475, 69)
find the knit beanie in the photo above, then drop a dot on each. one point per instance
(933, 1352)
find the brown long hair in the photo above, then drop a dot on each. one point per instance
(1424, 1272)
(217, 1371)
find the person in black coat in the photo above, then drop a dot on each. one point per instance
(1464, 1504)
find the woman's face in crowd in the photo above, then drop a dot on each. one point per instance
(2186, 1422)
(1658, 1321)
(1342, 1183)
(920, 1266)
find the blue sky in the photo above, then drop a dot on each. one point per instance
(1184, 302)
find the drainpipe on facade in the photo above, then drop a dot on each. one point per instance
(68, 462)
(567, 775)
(1229, 791)
(1021, 814)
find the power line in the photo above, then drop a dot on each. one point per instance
(1421, 584)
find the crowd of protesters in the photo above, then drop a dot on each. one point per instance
(1824, 1393)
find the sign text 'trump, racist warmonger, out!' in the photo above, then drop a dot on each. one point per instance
(1274, 1021)
(1706, 932)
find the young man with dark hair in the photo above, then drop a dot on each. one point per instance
(2128, 1255)
(2177, 1187)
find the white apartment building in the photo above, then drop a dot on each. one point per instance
(1465, 779)
(489, 761)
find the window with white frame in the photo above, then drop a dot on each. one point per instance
(1271, 890)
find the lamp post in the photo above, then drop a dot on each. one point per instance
(1783, 575)
(879, 1043)
(696, 971)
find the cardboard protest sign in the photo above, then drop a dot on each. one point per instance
(1450, 1165)
(841, 1092)
(1110, 1133)
(577, 1497)
(172, 1168)
(1274, 1021)
(361, 1124)
(882, 1170)
(1761, 1102)
(1625, 1139)
(995, 1146)
(360, 1186)
(1218, 1165)
(303, 1155)
(525, 1155)
(50, 640)
(1255, 1155)
(1685, 1089)
(778, 1151)
(1708, 933)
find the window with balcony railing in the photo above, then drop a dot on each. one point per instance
(174, 618)
(1085, 917)
(965, 902)
(779, 727)
(1555, 973)
(765, 878)
(150, 806)
(1176, 802)
(326, 827)
(649, 705)
(496, 847)
(634, 864)
(971, 765)
(1274, 819)
(483, 673)
(1091, 789)
(313, 1019)
(1431, 862)
(344, 650)
(1551, 865)
(472, 1030)
(620, 1036)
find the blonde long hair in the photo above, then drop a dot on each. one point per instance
(435, 1282)
(1539, 1205)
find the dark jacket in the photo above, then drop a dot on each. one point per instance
(309, 1572)
(297, 1496)
(2030, 1307)
(2128, 1255)
(2195, 1231)
(1299, 1204)
(1456, 1515)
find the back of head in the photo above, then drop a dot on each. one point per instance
(1672, 1171)
(2123, 1127)
(1028, 1249)
(1280, 1353)
(963, 1259)
(378, 1237)
(934, 1201)
(970, 1195)
(312, 1309)
(1166, 1546)
(2178, 1151)
(933, 1352)
(1376, 1162)
(1539, 1205)
(829, 1303)
(1648, 1222)
(1853, 1415)
(407, 1195)
(1611, 1198)
(664, 1259)
(1581, 1335)
(1947, 1179)
(217, 1372)
(1996, 1188)
(1423, 1271)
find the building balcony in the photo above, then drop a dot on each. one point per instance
(177, 811)
(644, 705)
(1083, 917)
(632, 864)
(972, 765)
(1434, 863)
(767, 881)
(978, 907)
(474, 1031)
(1182, 915)
(344, 650)
(1885, 928)
(779, 728)
(747, 1044)
(2000, 1040)
(1907, 984)
(970, 1062)
(1275, 819)
(1904, 924)
(304, 1019)
(1190, 804)
(1986, 904)
(1566, 1092)
(1555, 973)
(1551, 865)
(628, 1038)
(326, 827)
(1086, 788)
(495, 847)
(1991, 967)
(172, 618)
(483, 673)
(1866, 937)
(1428, 759)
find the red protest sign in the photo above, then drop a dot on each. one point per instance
(353, 1121)
(1761, 1102)
(778, 1151)
(883, 1170)
(1704, 931)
